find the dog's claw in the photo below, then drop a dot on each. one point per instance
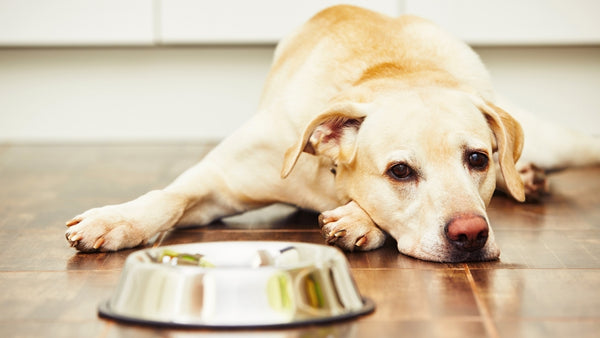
(361, 241)
(72, 222)
(333, 237)
(322, 220)
(75, 237)
(340, 233)
(98, 243)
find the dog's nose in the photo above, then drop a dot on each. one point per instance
(467, 232)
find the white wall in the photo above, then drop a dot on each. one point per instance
(560, 83)
(175, 94)
(128, 94)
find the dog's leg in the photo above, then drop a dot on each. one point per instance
(553, 147)
(350, 228)
(197, 197)
(534, 179)
(125, 225)
(548, 146)
(236, 176)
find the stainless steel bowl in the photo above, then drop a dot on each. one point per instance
(236, 284)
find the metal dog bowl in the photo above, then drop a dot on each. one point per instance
(236, 284)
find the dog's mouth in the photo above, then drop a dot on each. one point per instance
(455, 256)
(448, 253)
(477, 256)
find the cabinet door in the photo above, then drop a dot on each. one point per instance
(246, 22)
(514, 22)
(76, 22)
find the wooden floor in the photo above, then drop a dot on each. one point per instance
(546, 284)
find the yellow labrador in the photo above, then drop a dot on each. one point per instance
(384, 125)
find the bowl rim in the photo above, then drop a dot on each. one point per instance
(332, 249)
(105, 311)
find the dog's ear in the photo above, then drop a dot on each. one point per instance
(331, 134)
(509, 139)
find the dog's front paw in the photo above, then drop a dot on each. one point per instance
(103, 229)
(535, 182)
(126, 225)
(350, 228)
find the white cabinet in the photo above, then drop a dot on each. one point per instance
(76, 22)
(515, 22)
(172, 22)
(245, 22)
(154, 22)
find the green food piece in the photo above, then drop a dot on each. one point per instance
(169, 253)
(165, 253)
(278, 292)
(205, 264)
(193, 259)
(314, 292)
(176, 258)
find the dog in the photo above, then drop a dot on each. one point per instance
(383, 126)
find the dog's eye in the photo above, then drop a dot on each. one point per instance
(400, 172)
(477, 160)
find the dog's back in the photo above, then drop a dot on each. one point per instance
(343, 45)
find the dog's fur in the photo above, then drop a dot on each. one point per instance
(383, 125)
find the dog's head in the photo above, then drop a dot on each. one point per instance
(421, 165)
